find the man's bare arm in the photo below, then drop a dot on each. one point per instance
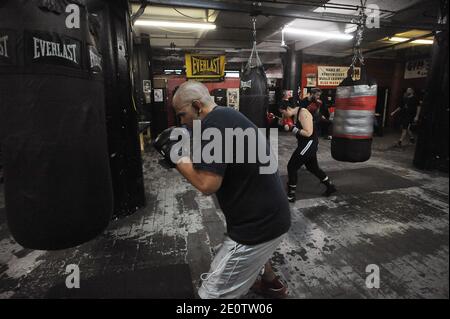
(395, 111)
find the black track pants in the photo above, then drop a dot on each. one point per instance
(305, 155)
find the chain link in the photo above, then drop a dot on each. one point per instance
(254, 55)
(254, 29)
(357, 51)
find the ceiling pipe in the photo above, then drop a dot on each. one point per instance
(328, 5)
(257, 8)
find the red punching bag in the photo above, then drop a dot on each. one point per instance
(58, 189)
(353, 122)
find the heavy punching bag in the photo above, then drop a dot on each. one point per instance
(354, 116)
(58, 188)
(254, 101)
(254, 97)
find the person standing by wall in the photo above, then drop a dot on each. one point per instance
(408, 112)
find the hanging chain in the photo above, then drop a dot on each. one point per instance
(254, 53)
(357, 51)
(254, 29)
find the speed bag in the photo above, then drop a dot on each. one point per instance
(353, 122)
(58, 190)
(254, 100)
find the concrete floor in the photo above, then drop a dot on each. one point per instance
(404, 231)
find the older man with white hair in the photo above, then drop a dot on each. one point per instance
(254, 204)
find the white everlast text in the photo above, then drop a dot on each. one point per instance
(44, 48)
(4, 46)
(96, 60)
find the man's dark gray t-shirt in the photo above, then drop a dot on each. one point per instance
(254, 204)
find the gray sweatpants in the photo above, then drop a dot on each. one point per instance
(235, 269)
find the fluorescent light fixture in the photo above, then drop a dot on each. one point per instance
(232, 74)
(419, 41)
(321, 34)
(173, 71)
(423, 41)
(172, 24)
(350, 28)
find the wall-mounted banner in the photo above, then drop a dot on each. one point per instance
(334, 75)
(50, 48)
(417, 69)
(7, 50)
(205, 66)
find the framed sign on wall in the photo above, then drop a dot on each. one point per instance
(417, 69)
(334, 75)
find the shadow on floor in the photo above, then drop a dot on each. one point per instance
(167, 282)
(352, 182)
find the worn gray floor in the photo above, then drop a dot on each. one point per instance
(404, 231)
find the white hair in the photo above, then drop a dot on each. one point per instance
(191, 91)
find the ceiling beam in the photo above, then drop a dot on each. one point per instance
(258, 8)
(325, 5)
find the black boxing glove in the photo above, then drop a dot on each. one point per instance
(163, 144)
(295, 130)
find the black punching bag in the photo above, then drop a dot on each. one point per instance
(254, 98)
(353, 122)
(58, 188)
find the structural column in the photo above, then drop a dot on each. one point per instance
(121, 110)
(143, 75)
(292, 69)
(396, 87)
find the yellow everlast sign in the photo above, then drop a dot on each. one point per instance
(205, 66)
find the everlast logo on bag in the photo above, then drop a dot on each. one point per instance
(7, 47)
(4, 46)
(246, 84)
(95, 60)
(206, 66)
(44, 48)
(53, 49)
